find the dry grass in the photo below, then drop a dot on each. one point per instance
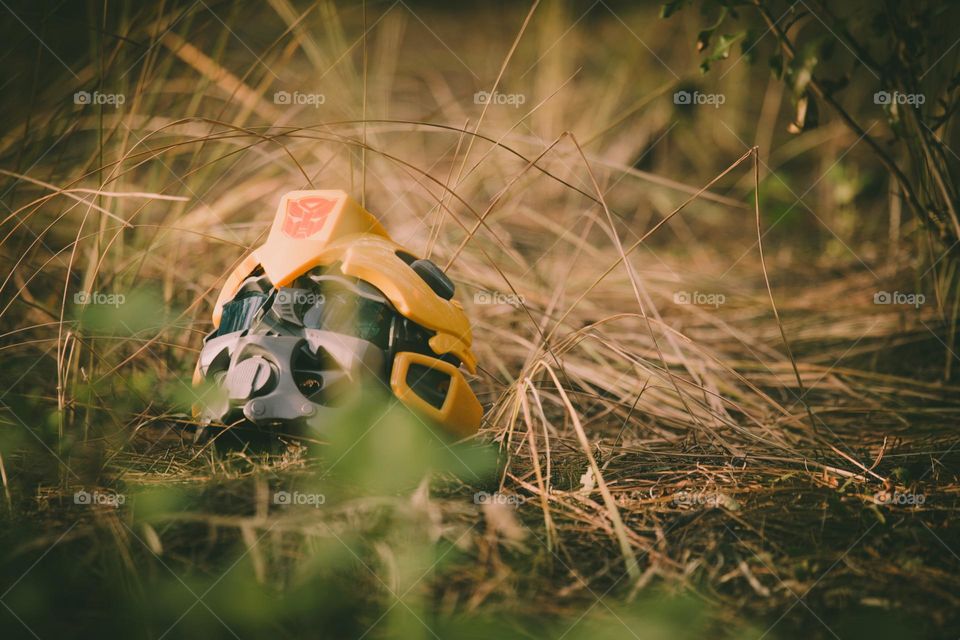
(739, 453)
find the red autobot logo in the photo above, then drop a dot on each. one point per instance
(305, 216)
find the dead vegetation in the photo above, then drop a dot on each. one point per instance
(683, 435)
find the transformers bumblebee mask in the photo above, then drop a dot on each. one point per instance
(328, 306)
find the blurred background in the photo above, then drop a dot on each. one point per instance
(708, 248)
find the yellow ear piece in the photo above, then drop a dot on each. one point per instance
(436, 389)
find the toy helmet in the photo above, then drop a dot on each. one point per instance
(328, 306)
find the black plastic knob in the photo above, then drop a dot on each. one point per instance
(433, 276)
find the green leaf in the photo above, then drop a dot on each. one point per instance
(703, 39)
(671, 7)
(748, 45)
(721, 50)
(776, 65)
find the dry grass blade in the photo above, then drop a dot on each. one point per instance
(682, 434)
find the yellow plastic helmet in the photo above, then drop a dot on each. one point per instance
(329, 304)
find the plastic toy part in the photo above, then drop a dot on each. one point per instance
(327, 307)
(437, 389)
